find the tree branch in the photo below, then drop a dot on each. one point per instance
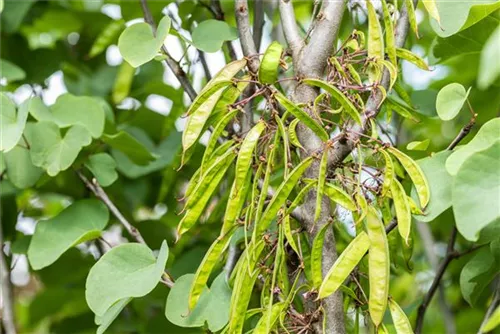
(246, 37)
(249, 50)
(450, 255)
(101, 194)
(323, 37)
(8, 315)
(171, 62)
(258, 23)
(290, 29)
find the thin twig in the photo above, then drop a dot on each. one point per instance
(219, 15)
(95, 188)
(8, 315)
(101, 194)
(463, 133)
(203, 61)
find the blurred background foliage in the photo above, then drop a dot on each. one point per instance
(47, 49)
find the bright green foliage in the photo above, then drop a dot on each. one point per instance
(72, 110)
(213, 307)
(103, 166)
(20, 170)
(129, 270)
(209, 35)
(138, 44)
(12, 122)
(450, 100)
(83, 220)
(53, 151)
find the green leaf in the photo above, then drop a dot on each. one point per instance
(485, 137)
(477, 274)
(475, 192)
(457, 16)
(86, 111)
(167, 152)
(50, 150)
(20, 170)
(450, 101)
(209, 35)
(103, 166)
(105, 320)
(128, 270)
(212, 307)
(137, 43)
(10, 71)
(83, 220)
(489, 66)
(11, 123)
(130, 146)
(418, 145)
(439, 183)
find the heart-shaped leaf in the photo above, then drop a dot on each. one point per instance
(137, 43)
(83, 220)
(212, 307)
(50, 150)
(20, 170)
(128, 270)
(209, 35)
(103, 166)
(450, 100)
(11, 123)
(479, 175)
(82, 110)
